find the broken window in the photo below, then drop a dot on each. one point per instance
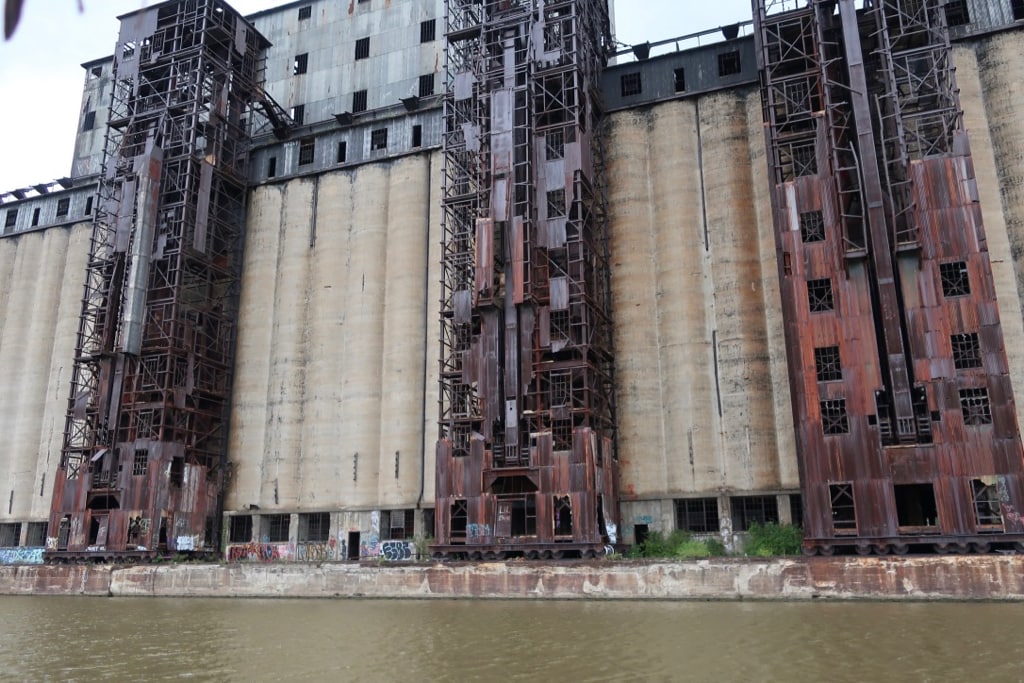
(358, 101)
(844, 515)
(88, 206)
(63, 207)
(563, 516)
(975, 406)
(89, 122)
(749, 510)
(314, 527)
(459, 517)
(177, 473)
(729, 63)
(561, 435)
(957, 13)
(955, 281)
(417, 136)
(631, 84)
(10, 534)
(812, 226)
(966, 351)
(428, 30)
(342, 152)
(36, 534)
(307, 147)
(397, 525)
(915, 505)
(271, 167)
(680, 79)
(819, 295)
(833, 416)
(556, 204)
(140, 463)
(827, 365)
(362, 48)
(11, 219)
(987, 511)
(426, 85)
(379, 139)
(305, 12)
(699, 515)
(301, 63)
(35, 217)
(240, 529)
(554, 145)
(275, 528)
(523, 516)
(803, 160)
(298, 114)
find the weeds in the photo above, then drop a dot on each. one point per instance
(770, 540)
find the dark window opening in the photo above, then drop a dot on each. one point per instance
(915, 505)
(796, 509)
(10, 534)
(554, 145)
(11, 219)
(680, 79)
(63, 207)
(459, 516)
(631, 84)
(966, 351)
(426, 88)
(305, 12)
(803, 160)
(428, 522)
(524, 516)
(987, 510)
(140, 462)
(271, 167)
(275, 528)
(556, 204)
(955, 280)
(833, 417)
(957, 13)
(812, 226)
(177, 472)
(342, 151)
(1017, 7)
(563, 516)
(307, 147)
(314, 527)
(353, 546)
(358, 101)
(428, 30)
(975, 406)
(362, 48)
(379, 139)
(417, 136)
(63, 532)
(397, 525)
(819, 295)
(699, 515)
(640, 534)
(89, 122)
(300, 64)
(95, 72)
(88, 206)
(36, 534)
(749, 510)
(241, 528)
(729, 63)
(210, 535)
(35, 217)
(298, 114)
(844, 514)
(827, 365)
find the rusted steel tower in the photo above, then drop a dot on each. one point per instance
(525, 458)
(143, 463)
(905, 418)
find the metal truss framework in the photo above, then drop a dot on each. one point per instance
(525, 460)
(899, 377)
(143, 462)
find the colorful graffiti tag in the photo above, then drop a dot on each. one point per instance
(21, 555)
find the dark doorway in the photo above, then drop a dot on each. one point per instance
(915, 505)
(353, 545)
(640, 534)
(459, 517)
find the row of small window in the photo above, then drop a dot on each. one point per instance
(378, 141)
(360, 99)
(631, 84)
(314, 527)
(974, 406)
(915, 506)
(63, 210)
(958, 12)
(966, 349)
(700, 515)
(300, 64)
(10, 535)
(954, 278)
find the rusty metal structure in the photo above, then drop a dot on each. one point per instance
(525, 459)
(143, 465)
(905, 418)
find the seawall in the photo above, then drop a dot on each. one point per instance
(989, 577)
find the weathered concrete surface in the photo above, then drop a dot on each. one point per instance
(993, 577)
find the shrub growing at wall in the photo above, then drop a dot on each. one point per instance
(769, 540)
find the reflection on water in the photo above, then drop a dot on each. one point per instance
(88, 639)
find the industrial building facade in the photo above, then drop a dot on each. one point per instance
(333, 286)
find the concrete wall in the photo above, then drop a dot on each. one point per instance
(702, 390)
(42, 275)
(335, 382)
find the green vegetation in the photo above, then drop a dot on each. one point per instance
(770, 540)
(678, 545)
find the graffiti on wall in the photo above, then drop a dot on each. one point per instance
(331, 550)
(391, 551)
(259, 552)
(21, 555)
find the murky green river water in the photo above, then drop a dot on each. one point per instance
(98, 639)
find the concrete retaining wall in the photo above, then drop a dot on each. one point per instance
(993, 577)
